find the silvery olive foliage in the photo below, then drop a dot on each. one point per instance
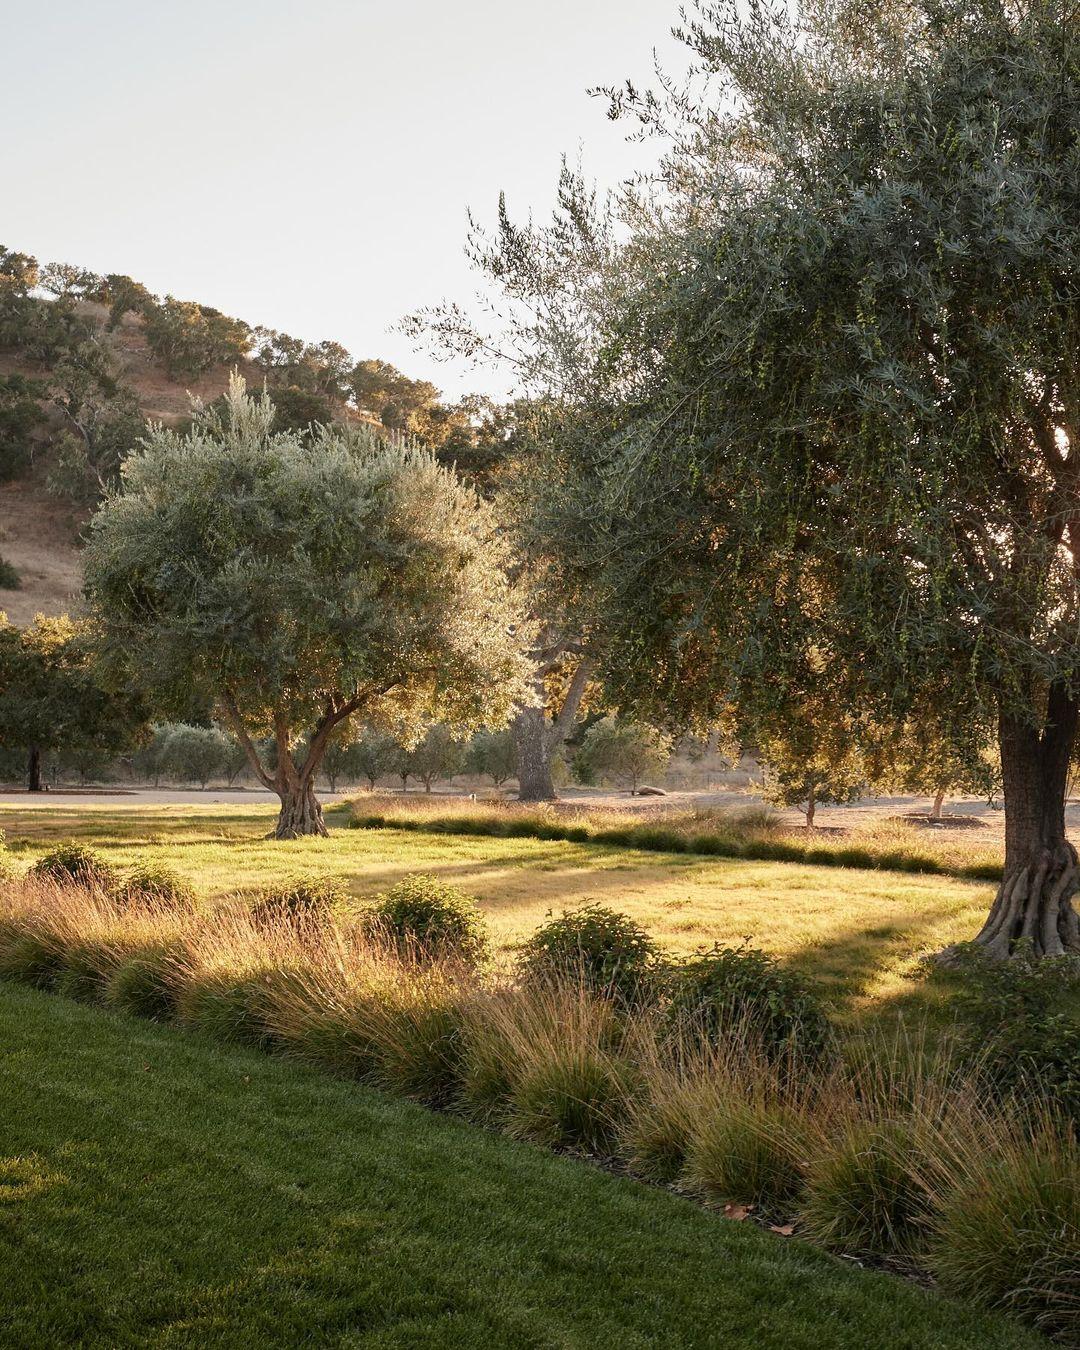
(293, 582)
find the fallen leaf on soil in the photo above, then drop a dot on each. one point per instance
(737, 1212)
(784, 1229)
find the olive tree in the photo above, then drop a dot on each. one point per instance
(296, 583)
(620, 751)
(834, 414)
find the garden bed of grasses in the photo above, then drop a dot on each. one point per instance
(882, 1152)
(752, 834)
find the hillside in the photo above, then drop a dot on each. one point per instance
(86, 361)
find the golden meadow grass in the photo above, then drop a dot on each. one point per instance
(861, 933)
(883, 1153)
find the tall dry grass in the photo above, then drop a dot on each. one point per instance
(888, 1150)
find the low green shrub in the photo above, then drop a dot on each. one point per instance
(864, 1190)
(9, 576)
(75, 864)
(427, 919)
(748, 1151)
(607, 952)
(1020, 1025)
(728, 991)
(300, 904)
(156, 884)
(1008, 1235)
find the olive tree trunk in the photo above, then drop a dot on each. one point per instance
(537, 739)
(1034, 901)
(300, 812)
(939, 802)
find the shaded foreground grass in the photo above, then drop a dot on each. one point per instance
(156, 1189)
(859, 932)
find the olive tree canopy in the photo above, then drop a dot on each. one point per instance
(832, 432)
(294, 582)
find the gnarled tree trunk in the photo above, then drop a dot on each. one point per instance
(1034, 900)
(536, 739)
(939, 802)
(33, 770)
(300, 812)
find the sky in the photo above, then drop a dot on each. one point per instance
(307, 165)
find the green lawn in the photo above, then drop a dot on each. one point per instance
(859, 931)
(156, 1189)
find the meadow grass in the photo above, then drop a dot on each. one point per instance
(162, 1189)
(861, 932)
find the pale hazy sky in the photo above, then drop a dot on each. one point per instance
(304, 165)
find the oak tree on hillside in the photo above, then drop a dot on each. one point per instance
(302, 583)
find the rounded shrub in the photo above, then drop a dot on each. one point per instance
(75, 865)
(603, 950)
(155, 884)
(1008, 1235)
(299, 904)
(427, 919)
(749, 1151)
(741, 991)
(864, 1192)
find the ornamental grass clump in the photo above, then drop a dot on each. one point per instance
(1006, 1233)
(547, 1061)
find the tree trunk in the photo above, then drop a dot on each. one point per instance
(939, 802)
(534, 756)
(300, 813)
(537, 741)
(1034, 901)
(811, 807)
(33, 770)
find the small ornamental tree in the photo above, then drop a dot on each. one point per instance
(295, 583)
(493, 754)
(438, 754)
(373, 754)
(624, 752)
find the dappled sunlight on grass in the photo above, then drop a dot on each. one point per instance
(861, 932)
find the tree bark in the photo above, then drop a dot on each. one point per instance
(811, 807)
(33, 770)
(1033, 904)
(939, 802)
(537, 740)
(534, 756)
(300, 813)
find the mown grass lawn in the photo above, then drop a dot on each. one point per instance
(861, 932)
(156, 1189)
